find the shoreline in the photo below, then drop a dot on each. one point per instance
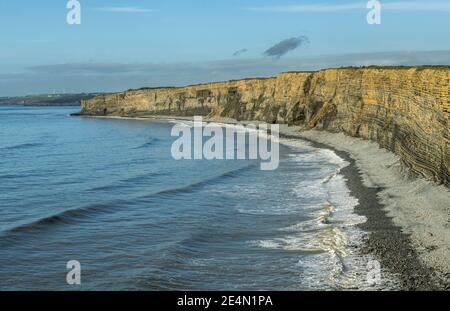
(385, 240)
(396, 246)
(410, 228)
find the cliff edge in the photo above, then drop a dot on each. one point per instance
(404, 109)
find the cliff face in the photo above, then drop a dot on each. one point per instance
(405, 110)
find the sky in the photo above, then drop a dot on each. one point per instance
(122, 44)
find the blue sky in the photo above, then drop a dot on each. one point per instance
(123, 44)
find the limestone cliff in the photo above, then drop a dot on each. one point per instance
(404, 109)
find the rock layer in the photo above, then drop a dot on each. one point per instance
(404, 109)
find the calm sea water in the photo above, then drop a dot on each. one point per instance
(107, 193)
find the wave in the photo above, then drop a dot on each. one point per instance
(65, 217)
(323, 218)
(198, 184)
(147, 177)
(22, 174)
(10, 176)
(74, 215)
(332, 233)
(22, 146)
(129, 180)
(150, 143)
(315, 154)
(330, 177)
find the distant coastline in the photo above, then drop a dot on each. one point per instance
(47, 99)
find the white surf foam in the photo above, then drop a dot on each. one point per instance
(331, 238)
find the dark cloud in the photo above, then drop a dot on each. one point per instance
(109, 77)
(283, 47)
(240, 52)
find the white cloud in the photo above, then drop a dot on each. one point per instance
(311, 8)
(325, 7)
(127, 9)
(417, 6)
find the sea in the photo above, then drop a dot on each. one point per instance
(107, 194)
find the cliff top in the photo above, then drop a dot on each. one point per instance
(423, 67)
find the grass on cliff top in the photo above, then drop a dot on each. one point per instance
(199, 84)
(422, 67)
